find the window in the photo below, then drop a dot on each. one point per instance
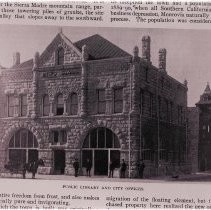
(23, 148)
(159, 107)
(60, 105)
(141, 106)
(167, 109)
(59, 136)
(118, 100)
(46, 105)
(150, 104)
(23, 105)
(101, 103)
(74, 104)
(171, 112)
(101, 138)
(180, 114)
(147, 74)
(60, 56)
(11, 105)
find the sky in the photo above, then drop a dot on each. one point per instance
(188, 51)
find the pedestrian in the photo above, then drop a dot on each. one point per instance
(123, 169)
(141, 167)
(24, 170)
(33, 169)
(111, 169)
(88, 167)
(76, 167)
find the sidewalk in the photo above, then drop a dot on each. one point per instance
(202, 176)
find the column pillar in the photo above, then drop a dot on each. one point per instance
(34, 85)
(84, 82)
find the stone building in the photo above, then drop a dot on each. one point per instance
(204, 145)
(92, 100)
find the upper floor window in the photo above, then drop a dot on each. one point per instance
(60, 105)
(118, 100)
(23, 105)
(179, 114)
(171, 112)
(141, 105)
(74, 104)
(59, 137)
(60, 56)
(147, 74)
(11, 105)
(46, 105)
(151, 98)
(101, 102)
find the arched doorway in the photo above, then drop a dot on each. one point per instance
(23, 147)
(101, 146)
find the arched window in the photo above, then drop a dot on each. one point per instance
(101, 146)
(60, 56)
(60, 105)
(11, 105)
(46, 105)
(74, 104)
(23, 105)
(23, 147)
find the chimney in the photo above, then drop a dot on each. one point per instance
(36, 59)
(85, 55)
(135, 54)
(16, 58)
(146, 48)
(162, 60)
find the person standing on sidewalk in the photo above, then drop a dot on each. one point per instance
(76, 167)
(123, 169)
(111, 169)
(88, 167)
(141, 167)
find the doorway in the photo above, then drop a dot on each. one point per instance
(101, 162)
(59, 162)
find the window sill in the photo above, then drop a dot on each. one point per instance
(58, 146)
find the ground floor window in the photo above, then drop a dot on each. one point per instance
(23, 147)
(101, 146)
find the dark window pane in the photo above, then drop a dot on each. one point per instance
(23, 138)
(101, 101)
(30, 139)
(109, 138)
(118, 107)
(86, 154)
(17, 157)
(118, 94)
(11, 105)
(101, 137)
(17, 139)
(74, 104)
(55, 137)
(93, 138)
(63, 136)
(46, 105)
(101, 107)
(60, 105)
(115, 158)
(118, 100)
(23, 105)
